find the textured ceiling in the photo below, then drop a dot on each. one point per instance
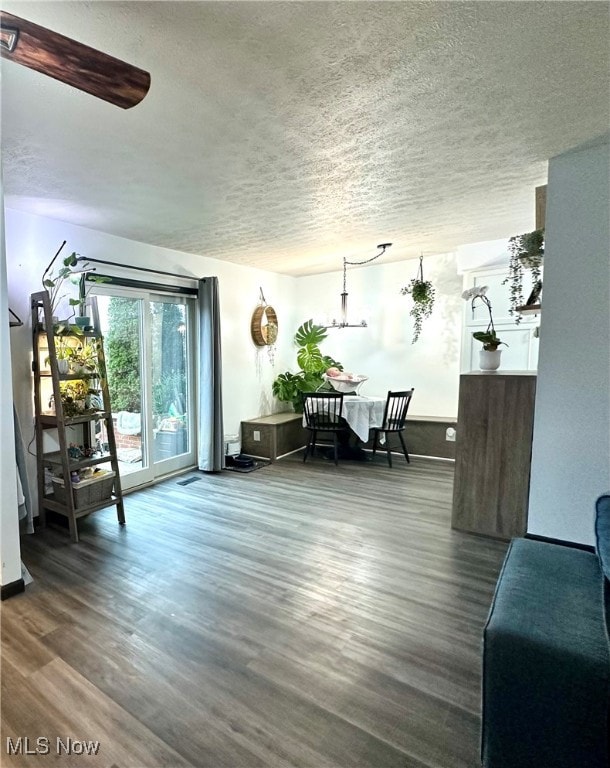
(286, 135)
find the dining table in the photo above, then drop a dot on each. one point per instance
(362, 413)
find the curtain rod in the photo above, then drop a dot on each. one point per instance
(129, 282)
(140, 269)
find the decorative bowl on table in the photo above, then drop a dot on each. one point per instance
(349, 384)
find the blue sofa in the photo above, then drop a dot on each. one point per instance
(546, 657)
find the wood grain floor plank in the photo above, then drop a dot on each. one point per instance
(22, 647)
(94, 716)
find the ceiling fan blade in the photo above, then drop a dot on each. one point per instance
(72, 62)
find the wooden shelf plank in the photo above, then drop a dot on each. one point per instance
(56, 506)
(70, 376)
(73, 334)
(51, 421)
(55, 458)
(529, 309)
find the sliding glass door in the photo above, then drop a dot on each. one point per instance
(171, 386)
(149, 346)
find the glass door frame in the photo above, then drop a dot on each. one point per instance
(176, 463)
(152, 470)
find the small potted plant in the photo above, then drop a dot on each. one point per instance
(63, 352)
(489, 356)
(526, 252)
(71, 271)
(56, 283)
(84, 358)
(74, 396)
(422, 293)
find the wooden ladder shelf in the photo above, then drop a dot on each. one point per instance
(85, 470)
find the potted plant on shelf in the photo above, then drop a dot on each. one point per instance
(313, 364)
(72, 271)
(74, 396)
(63, 352)
(526, 252)
(489, 356)
(82, 320)
(84, 359)
(422, 293)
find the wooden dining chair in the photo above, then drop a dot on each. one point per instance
(394, 419)
(323, 413)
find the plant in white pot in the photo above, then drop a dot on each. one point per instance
(489, 356)
(63, 351)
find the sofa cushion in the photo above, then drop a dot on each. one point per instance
(602, 538)
(602, 532)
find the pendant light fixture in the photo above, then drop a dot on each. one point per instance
(343, 322)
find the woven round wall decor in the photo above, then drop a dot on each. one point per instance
(264, 326)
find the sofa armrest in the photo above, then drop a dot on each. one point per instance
(546, 666)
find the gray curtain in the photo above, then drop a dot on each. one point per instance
(211, 432)
(24, 498)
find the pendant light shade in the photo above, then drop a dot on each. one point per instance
(343, 320)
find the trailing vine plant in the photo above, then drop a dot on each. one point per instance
(526, 252)
(422, 292)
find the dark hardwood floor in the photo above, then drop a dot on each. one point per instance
(299, 615)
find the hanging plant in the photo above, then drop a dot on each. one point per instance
(526, 252)
(422, 293)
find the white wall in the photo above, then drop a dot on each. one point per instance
(383, 351)
(571, 448)
(488, 253)
(248, 373)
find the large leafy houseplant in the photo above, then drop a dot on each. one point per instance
(526, 252)
(312, 362)
(422, 293)
(72, 271)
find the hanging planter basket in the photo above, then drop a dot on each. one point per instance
(422, 292)
(526, 252)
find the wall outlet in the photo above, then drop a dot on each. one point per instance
(256, 436)
(450, 434)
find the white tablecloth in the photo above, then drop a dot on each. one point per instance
(362, 413)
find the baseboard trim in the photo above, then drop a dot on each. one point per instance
(296, 450)
(397, 452)
(561, 542)
(432, 458)
(13, 588)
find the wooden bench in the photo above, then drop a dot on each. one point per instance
(426, 436)
(283, 433)
(271, 437)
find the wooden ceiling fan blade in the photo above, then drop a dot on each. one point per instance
(72, 62)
